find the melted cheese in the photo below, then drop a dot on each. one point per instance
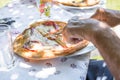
(37, 46)
(38, 41)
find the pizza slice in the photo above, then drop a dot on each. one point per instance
(44, 40)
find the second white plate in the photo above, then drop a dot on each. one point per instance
(72, 7)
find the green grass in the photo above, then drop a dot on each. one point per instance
(4, 2)
(98, 57)
(113, 4)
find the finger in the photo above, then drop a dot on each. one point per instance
(99, 14)
(66, 35)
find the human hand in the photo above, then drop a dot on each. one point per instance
(111, 17)
(82, 28)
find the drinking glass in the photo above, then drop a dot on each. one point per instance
(7, 58)
(44, 8)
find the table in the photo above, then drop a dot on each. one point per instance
(66, 68)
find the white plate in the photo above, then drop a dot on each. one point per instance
(88, 7)
(72, 7)
(90, 47)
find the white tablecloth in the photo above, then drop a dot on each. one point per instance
(64, 68)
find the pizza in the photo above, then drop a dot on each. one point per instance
(78, 3)
(44, 40)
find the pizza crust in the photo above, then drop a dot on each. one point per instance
(25, 43)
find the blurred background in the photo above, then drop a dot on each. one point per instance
(4, 2)
(113, 4)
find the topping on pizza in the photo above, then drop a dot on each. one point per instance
(43, 40)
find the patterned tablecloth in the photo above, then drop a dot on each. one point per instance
(64, 68)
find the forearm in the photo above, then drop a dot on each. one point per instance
(109, 46)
